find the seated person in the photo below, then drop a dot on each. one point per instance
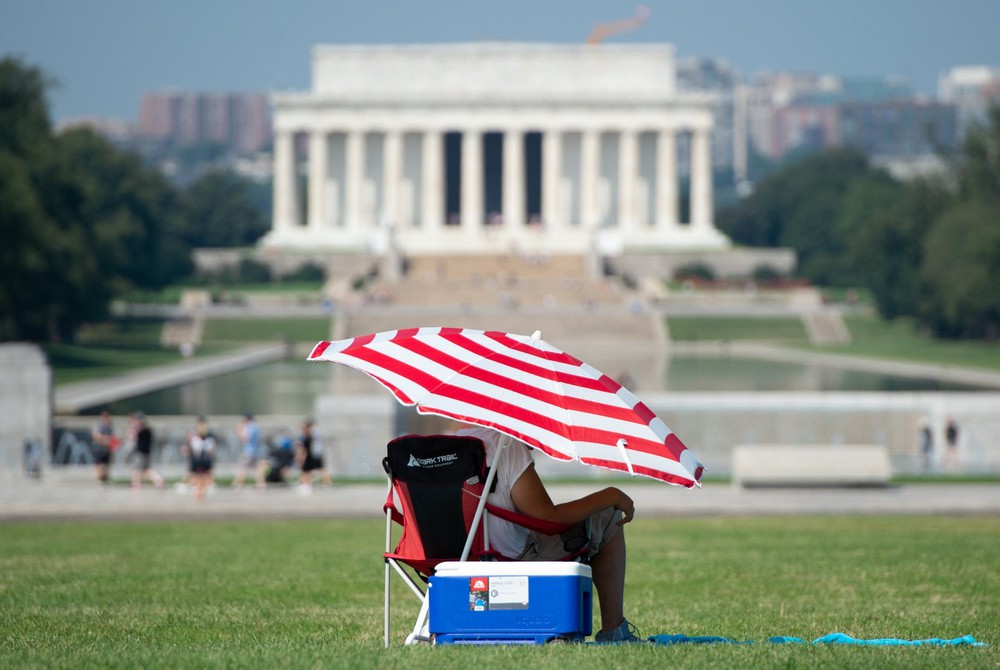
(519, 489)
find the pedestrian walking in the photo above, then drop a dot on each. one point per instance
(252, 456)
(104, 443)
(926, 441)
(309, 456)
(201, 458)
(951, 443)
(143, 453)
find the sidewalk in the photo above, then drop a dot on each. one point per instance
(27, 500)
(72, 398)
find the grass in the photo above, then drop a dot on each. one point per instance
(870, 336)
(693, 328)
(297, 329)
(111, 348)
(900, 340)
(122, 345)
(303, 594)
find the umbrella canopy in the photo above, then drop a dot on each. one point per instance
(523, 387)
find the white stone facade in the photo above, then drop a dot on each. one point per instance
(472, 148)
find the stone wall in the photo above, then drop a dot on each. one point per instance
(739, 262)
(25, 404)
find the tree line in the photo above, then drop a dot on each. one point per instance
(927, 248)
(82, 221)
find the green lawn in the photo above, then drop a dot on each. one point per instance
(298, 329)
(728, 328)
(304, 594)
(106, 349)
(870, 336)
(122, 345)
(900, 340)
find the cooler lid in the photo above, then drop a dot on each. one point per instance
(526, 568)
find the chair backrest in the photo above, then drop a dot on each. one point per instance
(432, 478)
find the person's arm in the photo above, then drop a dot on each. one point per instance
(531, 498)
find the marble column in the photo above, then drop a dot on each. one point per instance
(472, 182)
(513, 182)
(286, 200)
(552, 216)
(432, 180)
(319, 170)
(701, 179)
(354, 172)
(667, 206)
(392, 174)
(590, 157)
(628, 168)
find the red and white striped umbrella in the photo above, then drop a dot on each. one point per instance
(523, 387)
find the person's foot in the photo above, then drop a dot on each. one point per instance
(625, 632)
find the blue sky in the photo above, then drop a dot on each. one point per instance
(106, 53)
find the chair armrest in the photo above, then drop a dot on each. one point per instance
(531, 523)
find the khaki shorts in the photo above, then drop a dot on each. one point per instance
(599, 530)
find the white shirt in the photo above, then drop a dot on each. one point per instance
(505, 537)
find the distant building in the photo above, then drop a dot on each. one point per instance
(761, 122)
(788, 112)
(900, 129)
(241, 122)
(972, 89)
(715, 76)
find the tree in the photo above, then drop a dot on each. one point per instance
(24, 120)
(979, 163)
(962, 271)
(131, 213)
(79, 219)
(218, 211)
(26, 233)
(885, 223)
(962, 249)
(803, 206)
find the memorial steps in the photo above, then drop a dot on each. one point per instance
(595, 319)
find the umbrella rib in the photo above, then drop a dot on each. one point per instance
(628, 461)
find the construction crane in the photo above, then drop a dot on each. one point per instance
(604, 30)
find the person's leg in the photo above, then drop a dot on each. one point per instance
(261, 473)
(199, 488)
(607, 563)
(608, 566)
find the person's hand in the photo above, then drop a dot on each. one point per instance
(626, 506)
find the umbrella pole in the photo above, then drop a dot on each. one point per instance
(482, 503)
(388, 544)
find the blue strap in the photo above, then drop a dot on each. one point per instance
(832, 638)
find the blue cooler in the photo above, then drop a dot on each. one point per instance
(521, 602)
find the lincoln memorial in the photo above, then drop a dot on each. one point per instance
(485, 147)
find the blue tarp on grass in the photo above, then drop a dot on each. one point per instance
(832, 638)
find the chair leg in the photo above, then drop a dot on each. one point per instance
(421, 632)
(386, 640)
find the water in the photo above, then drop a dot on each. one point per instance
(290, 387)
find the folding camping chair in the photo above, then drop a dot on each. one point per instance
(437, 492)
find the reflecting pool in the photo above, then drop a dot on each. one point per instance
(290, 387)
